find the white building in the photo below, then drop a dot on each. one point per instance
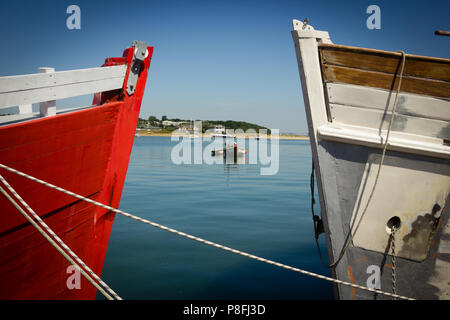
(173, 123)
(219, 129)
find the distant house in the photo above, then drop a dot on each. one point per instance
(185, 126)
(170, 123)
(174, 123)
(218, 129)
(188, 127)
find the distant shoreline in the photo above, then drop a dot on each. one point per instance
(147, 133)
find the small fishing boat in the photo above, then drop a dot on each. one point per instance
(229, 151)
(85, 150)
(223, 135)
(379, 127)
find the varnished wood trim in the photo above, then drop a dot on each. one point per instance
(379, 52)
(435, 88)
(385, 61)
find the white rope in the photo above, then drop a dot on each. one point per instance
(60, 242)
(41, 231)
(251, 256)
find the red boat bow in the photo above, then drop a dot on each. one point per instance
(85, 151)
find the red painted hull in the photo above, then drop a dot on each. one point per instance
(84, 151)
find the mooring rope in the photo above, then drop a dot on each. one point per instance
(242, 253)
(42, 224)
(49, 239)
(391, 120)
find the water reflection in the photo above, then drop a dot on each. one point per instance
(232, 164)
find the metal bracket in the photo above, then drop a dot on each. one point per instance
(299, 25)
(304, 30)
(140, 53)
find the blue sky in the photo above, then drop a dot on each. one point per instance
(213, 59)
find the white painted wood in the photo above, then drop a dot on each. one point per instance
(313, 93)
(34, 88)
(307, 53)
(42, 80)
(306, 31)
(47, 108)
(59, 92)
(14, 118)
(376, 119)
(398, 141)
(311, 79)
(320, 35)
(26, 108)
(408, 103)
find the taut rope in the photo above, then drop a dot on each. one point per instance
(248, 255)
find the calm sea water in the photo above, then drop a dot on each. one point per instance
(233, 205)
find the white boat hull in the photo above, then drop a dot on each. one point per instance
(348, 124)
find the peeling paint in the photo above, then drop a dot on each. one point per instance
(352, 281)
(416, 243)
(414, 191)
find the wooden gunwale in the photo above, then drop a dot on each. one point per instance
(379, 69)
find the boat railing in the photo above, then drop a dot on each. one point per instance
(19, 93)
(47, 86)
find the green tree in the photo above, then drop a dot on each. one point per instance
(153, 120)
(141, 122)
